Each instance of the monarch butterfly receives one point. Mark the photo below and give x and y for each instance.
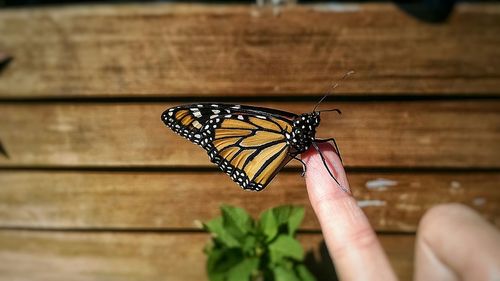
(251, 144)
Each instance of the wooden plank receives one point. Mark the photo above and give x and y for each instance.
(459, 134)
(198, 49)
(175, 200)
(30, 255)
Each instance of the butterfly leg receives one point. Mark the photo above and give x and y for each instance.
(304, 167)
(334, 144)
(328, 169)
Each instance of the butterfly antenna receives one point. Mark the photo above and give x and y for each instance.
(334, 86)
(328, 169)
(335, 109)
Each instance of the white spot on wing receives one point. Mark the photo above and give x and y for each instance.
(196, 124)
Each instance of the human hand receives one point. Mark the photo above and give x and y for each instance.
(453, 242)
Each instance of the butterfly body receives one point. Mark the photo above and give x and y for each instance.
(250, 144)
(303, 131)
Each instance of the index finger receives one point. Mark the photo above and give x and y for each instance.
(351, 241)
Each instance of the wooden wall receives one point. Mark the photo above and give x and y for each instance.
(94, 187)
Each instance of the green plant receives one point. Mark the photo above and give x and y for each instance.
(244, 249)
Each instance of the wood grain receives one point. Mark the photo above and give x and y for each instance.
(206, 50)
(383, 134)
(103, 191)
(43, 256)
(175, 200)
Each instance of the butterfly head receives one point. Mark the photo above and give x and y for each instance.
(304, 131)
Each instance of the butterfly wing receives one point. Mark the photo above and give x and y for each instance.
(248, 143)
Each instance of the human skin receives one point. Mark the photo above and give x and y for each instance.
(453, 241)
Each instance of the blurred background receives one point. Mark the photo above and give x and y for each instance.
(93, 186)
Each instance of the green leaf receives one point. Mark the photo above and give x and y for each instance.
(216, 276)
(282, 274)
(285, 247)
(304, 273)
(236, 221)
(220, 261)
(284, 219)
(295, 219)
(219, 232)
(243, 270)
(268, 224)
(241, 251)
(289, 215)
(249, 245)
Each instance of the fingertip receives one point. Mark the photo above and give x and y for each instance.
(317, 173)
